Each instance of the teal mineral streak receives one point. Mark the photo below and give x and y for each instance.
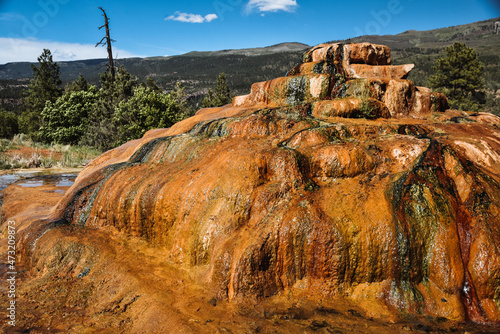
(140, 156)
(82, 219)
(143, 154)
(416, 227)
(215, 128)
(426, 198)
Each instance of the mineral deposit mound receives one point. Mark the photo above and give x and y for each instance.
(341, 183)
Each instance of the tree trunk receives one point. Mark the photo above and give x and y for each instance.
(107, 43)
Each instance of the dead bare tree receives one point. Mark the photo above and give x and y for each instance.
(106, 41)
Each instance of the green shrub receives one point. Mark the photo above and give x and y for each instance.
(65, 120)
(9, 125)
(147, 109)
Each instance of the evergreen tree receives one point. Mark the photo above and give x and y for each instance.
(180, 97)
(459, 75)
(119, 89)
(9, 126)
(210, 100)
(220, 96)
(102, 132)
(147, 109)
(79, 84)
(492, 104)
(150, 83)
(66, 119)
(42, 88)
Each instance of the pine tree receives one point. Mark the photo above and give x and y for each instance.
(220, 96)
(209, 100)
(150, 83)
(147, 109)
(45, 86)
(102, 132)
(180, 97)
(9, 126)
(77, 85)
(459, 75)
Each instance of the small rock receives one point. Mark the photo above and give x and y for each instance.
(83, 273)
(317, 324)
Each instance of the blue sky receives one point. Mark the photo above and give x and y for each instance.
(69, 28)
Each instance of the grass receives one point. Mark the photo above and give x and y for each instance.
(21, 152)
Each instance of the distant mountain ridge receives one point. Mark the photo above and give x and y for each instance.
(477, 35)
(71, 69)
(281, 47)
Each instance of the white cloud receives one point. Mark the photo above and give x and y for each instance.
(211, 17)
(272, 5)
(18, 49)
(191, 18)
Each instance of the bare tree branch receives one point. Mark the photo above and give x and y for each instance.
(101, 42)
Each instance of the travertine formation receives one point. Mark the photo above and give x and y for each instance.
(341, 179)
(347, 80)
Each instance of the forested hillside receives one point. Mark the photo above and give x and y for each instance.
(422, 48)
(199, 70)
(196, 70)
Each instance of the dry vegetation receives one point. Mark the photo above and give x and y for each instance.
(21, 152)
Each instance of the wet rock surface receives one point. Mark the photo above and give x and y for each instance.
(320, 202)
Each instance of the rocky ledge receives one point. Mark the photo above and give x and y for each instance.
(342, 180)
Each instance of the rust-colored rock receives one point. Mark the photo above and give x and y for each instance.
(330, 71)
(293, 90)
(392, 72)
(350, 107)
(362, 53)
(367, 53)
(363, 190)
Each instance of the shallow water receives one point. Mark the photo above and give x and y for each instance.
(37, 179)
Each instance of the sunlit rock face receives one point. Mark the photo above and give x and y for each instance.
(357, 80)
(342, 178)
